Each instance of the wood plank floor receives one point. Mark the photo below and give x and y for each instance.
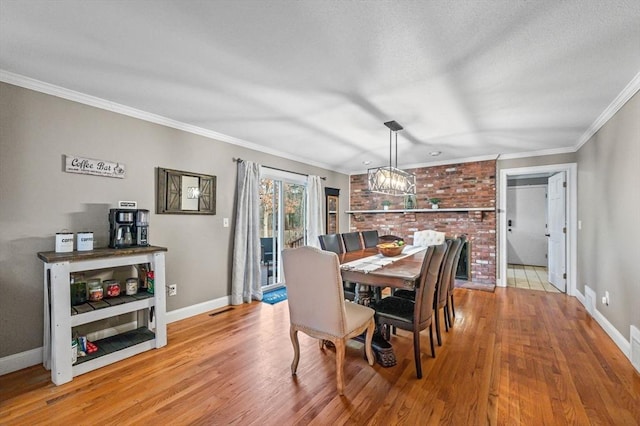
(515, 356)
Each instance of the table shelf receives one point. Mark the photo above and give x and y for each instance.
(110, 307)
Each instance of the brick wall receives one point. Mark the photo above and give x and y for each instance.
(463, 185)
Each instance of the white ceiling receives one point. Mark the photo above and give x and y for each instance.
(315, 80)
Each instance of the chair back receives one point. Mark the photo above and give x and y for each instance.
(352, 241)
(331, 242)
(425, 290)
(266, 244)
(444, 280)
(314, 290)
(428, 238)
(456, 260)
(370, 238)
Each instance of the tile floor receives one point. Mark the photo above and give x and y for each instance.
(530, 277)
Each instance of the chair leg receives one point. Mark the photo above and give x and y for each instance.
(293, 334)
(416, 352)
(340, 351)
(453, 308)
(445, 312)
(367, 342)
(433, 349)
(449, 314)
(437, 315)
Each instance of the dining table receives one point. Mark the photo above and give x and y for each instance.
(367, 267)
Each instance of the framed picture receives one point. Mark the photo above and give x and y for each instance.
(410, 202)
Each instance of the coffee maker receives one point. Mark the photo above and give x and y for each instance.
(142, 228)
(121, 228)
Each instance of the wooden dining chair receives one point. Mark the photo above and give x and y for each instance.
(452, 284)
(442, 287)
(317, 308)
(415, 316)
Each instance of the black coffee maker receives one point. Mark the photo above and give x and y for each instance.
(121, 228)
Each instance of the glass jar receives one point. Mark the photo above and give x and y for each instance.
(94, 288)
(131, 286)
(78, 292)
(111, 288)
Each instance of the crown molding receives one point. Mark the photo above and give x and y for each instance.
(72, 95)
(626, 94)
(554, 151)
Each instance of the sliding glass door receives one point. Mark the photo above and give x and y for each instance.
(282, 220)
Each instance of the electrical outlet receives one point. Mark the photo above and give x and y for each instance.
(173, 289)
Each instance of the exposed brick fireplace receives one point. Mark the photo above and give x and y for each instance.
(460, 187)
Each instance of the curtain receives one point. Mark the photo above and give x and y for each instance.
(314, 210)
(245, 275)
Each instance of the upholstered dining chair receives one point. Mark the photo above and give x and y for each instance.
(442, 287)
(370, 238)
(415, 316)
(331, 242)
(351, 241)
(317, 307)
(428, 237)
(452, 284)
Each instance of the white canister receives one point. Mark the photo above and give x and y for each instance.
(64, 242)
(85, 241)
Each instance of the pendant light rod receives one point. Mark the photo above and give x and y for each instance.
(394, 127)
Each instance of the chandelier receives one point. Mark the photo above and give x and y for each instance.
(390, 179)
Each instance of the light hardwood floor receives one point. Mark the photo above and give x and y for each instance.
(529, 277)
(517, 357)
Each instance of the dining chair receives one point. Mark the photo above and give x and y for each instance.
(331, 242)
(351, 241)
(442, 287)
(317, 308)
(370, 238)
(428, 237)
(410, 315)
(452, 284)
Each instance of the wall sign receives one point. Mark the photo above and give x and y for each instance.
(88, 166)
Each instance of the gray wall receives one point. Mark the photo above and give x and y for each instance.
(38, 199)
(609, 208)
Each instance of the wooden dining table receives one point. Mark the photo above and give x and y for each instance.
(401, 274)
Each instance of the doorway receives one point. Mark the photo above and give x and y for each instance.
(282, 221)
(569, 241)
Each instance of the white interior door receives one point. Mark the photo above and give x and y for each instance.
(526, 225)
(557, 231)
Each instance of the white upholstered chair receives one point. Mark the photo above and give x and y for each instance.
(317, 306)
(428, 238)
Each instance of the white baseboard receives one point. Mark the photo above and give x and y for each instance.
(614, 334)
(200, 308)
(21, 360)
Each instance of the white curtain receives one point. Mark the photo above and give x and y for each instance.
(245, 278)
(314, 210)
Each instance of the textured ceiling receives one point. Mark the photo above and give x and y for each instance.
(315, 80)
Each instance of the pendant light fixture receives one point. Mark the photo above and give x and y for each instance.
(390, 179)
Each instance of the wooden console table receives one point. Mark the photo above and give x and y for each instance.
(60, 317)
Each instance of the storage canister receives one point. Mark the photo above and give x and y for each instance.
(64, 242)
(85, 241)
(131, 287)
(94, 289)
(111, 288)
(78, 292)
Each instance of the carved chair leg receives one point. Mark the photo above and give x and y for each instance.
(293, 334)
(367, 342)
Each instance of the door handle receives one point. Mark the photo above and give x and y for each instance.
(547, 235)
